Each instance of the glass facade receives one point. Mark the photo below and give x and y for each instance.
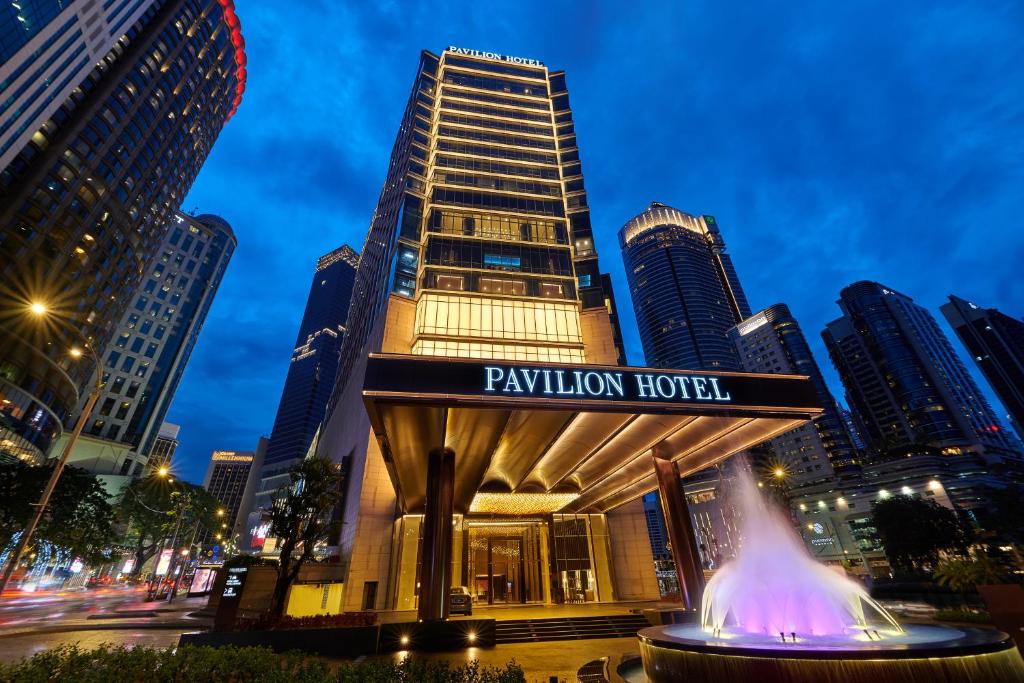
(903, 380)
(771, 341)
(481, 247)
(685, 291)
(312, 370)
(148, 353)
(996, 344)
(84, 205)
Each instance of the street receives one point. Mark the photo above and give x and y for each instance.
(33, 622)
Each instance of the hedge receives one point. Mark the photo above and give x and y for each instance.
(188, 664)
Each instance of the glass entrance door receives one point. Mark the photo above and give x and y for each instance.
(504, 563)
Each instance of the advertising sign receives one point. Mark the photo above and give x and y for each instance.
(164, 563)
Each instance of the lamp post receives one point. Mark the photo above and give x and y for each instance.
(40, 310)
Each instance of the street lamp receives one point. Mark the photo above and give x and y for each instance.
(40, 309)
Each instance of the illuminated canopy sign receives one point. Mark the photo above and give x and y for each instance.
(495, 56)
(418, 378)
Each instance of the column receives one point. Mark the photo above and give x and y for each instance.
(680, 531)
(435, 576)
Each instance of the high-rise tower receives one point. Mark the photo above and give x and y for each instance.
(48, 47)
(996, 343)
(312, 371)
(905, 383)
(488, 436)
(772, 341)
(84, 205)
(685, 291)
(481, 247)
(148, 353)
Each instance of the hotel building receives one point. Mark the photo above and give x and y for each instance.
(489, 436)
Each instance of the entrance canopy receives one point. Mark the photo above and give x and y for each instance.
(533, 438)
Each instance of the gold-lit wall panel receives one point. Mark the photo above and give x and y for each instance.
(480, 317)
(488, 351)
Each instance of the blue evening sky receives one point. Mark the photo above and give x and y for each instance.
(832, 141)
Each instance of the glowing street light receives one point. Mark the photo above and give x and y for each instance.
(41, 310)
(779, 473)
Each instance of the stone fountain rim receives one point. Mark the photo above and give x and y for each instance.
(975, 641)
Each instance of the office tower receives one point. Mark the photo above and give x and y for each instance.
(164, 446)
(685, 291)
(232, 478)
(154, 339)
(772, 341)
(851, 428)
(996, 343)
(904, 382)
(313, 369)
(48, 47)
(613, 315)
(84, 204)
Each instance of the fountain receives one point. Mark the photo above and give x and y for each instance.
(775, 614)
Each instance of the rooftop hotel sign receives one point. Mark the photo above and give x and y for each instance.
(495, 56)
(450, 381)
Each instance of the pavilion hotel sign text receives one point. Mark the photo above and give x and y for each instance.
(511, 380)
(495, 56)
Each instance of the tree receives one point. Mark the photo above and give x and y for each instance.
(915, 531)
(964, 573)
(142, 510)
(149, 508)
(1007, 514)
(78, 518)
(303, 515)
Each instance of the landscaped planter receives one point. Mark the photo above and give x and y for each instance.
(329, 642)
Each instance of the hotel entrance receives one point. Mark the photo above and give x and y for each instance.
(510, 476)
(505, 562)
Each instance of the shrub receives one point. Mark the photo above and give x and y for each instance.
(271, 622)
(965, 615)
(410, 670)
(190, 664)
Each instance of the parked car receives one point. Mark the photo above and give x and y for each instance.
(460, 601)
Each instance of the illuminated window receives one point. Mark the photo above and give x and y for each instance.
(551, 290)
(500, 286)
(466, 316)
(485, 350)
(452, 282)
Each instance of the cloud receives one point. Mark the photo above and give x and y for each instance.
(832, 142)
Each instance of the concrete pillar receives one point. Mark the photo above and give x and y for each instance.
(680, 532)
(436, 563)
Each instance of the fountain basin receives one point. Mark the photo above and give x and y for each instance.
(921, 653)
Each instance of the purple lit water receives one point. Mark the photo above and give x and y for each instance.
(774, 586)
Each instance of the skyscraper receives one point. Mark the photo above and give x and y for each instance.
(772, 341)
(481, 249)
(48, 47)
(313, 369)
(231, 477)
(155, 337)
(84, 204)
(904, 382)
(685, 291)
(996, 343)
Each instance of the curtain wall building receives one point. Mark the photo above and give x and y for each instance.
(488, 435)
(996, 344)
(685, 291)
(772, 341)
(911, 395)
(84, 204)
(48, 47)
(312, 371)
(153, 341)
